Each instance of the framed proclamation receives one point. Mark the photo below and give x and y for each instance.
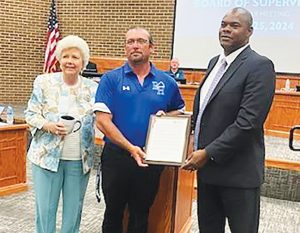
(167, 139)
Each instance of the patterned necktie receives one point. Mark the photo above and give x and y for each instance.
(212, 87)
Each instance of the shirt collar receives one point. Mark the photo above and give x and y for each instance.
(231, 57)
(153, 70)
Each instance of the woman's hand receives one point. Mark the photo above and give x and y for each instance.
(56, 128)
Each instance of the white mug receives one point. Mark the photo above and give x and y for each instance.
(71, 124)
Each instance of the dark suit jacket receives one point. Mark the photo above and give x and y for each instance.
(231, 129)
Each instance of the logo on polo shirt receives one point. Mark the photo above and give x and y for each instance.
(126, 88)
(159, 87)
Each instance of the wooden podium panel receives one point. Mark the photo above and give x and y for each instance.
(185, 192)
(13, 145)
(171, 211)
(172, 208)
(284, 114)
(188, 93)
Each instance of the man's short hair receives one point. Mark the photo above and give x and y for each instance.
(150, 38)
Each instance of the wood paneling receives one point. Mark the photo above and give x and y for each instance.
(105, 64)
(194, 76)
(188, 93)
(284, 114)
(171, 211)
(183, 214)
(161, 213)
(281, 79)
(283, 164)
(13, 142)
(172, 208)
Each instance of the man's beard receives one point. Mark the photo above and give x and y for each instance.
(137, 59)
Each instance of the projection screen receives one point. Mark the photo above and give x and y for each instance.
(276, 31)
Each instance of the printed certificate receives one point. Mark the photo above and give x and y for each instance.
(167, 139)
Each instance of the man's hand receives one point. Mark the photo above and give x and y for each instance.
(196, 160)
(138, 154)
(160, 113)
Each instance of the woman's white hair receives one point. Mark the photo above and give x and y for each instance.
(72, 41)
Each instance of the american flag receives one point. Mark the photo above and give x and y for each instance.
(52, 39)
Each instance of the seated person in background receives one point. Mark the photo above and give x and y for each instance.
(175, 72)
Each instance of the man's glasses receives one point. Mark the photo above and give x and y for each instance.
(139, 41)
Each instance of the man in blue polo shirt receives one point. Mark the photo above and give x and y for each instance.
(125, 99)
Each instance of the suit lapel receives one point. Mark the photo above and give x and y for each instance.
(230, 71)
(209, 69)
(197, 96)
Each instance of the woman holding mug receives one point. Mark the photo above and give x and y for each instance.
(61, 160)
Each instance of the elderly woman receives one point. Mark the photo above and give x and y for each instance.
(61, 161)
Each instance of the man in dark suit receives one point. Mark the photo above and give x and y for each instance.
(229, 113)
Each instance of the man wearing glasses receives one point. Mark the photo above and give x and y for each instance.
(125, 99)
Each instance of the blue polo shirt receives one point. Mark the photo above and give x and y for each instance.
(131, 104)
